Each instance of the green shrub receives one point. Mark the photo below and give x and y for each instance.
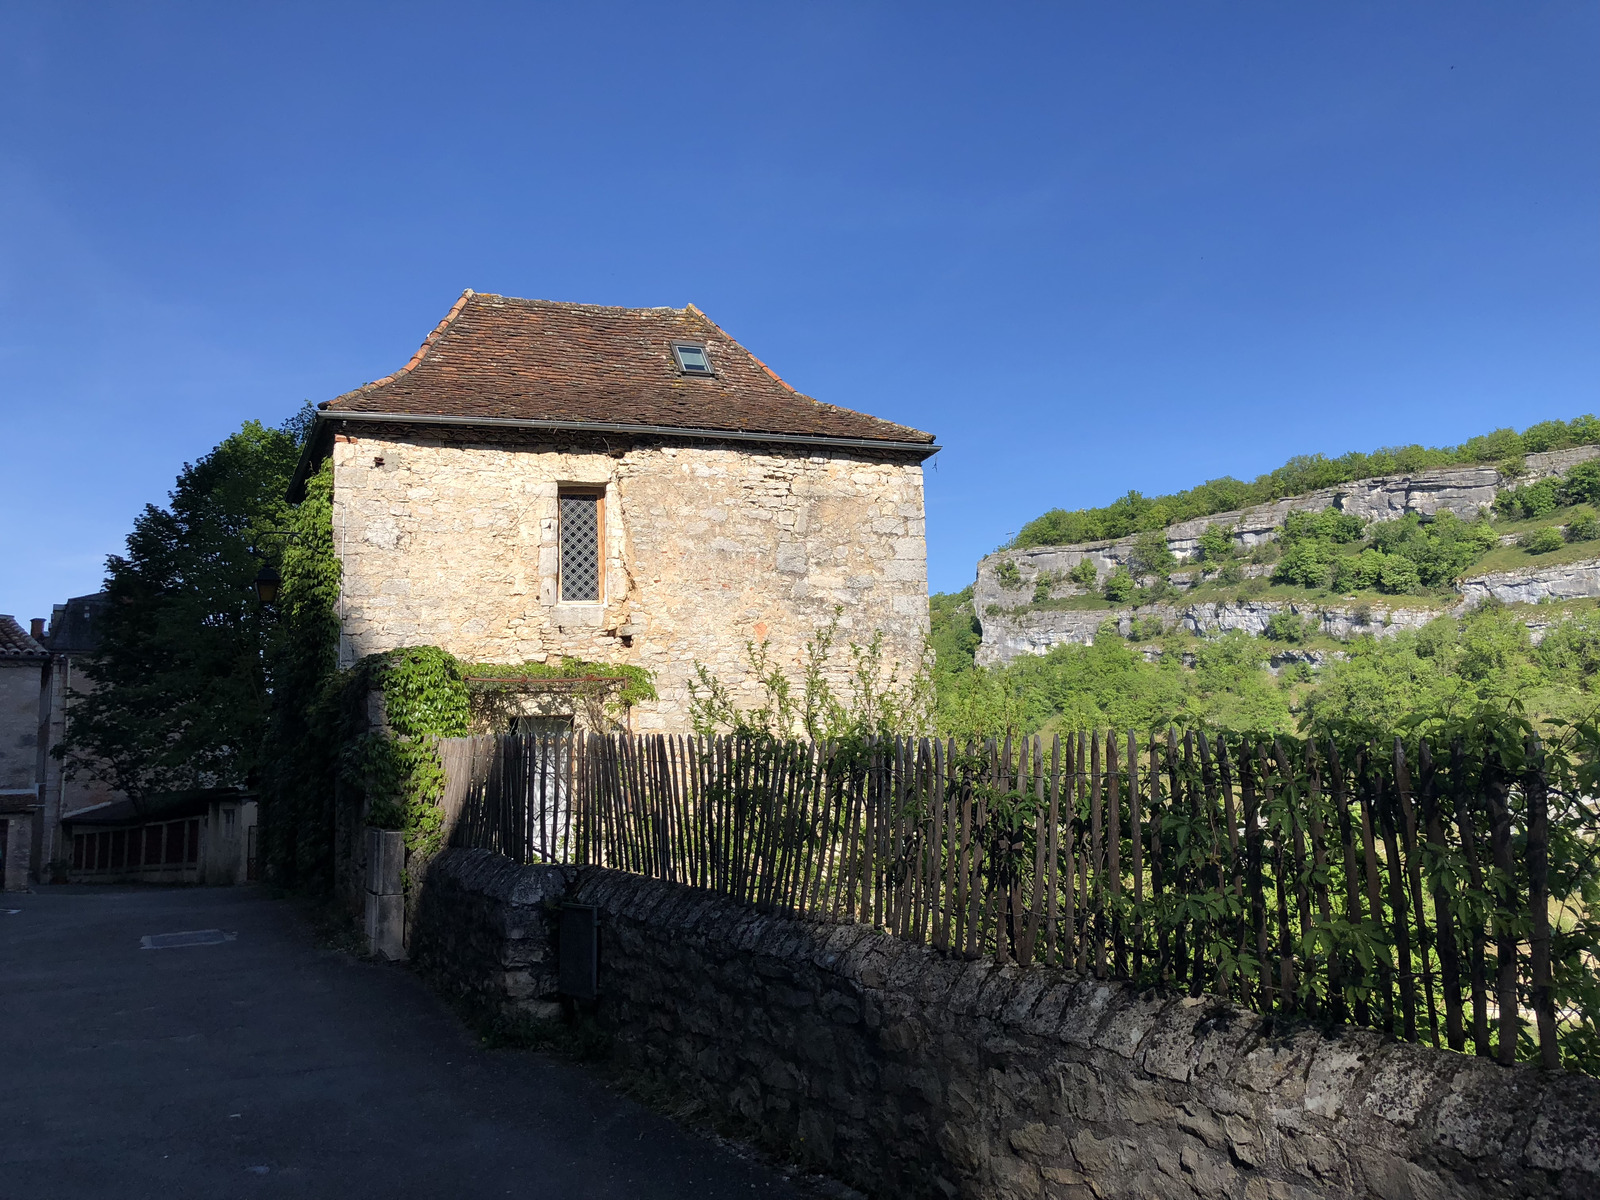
(1359, 573)
(1543, 541)
(1305, 564)
(1151, 555)
(1084, 574)
(1042, 585)
(1119, 586)
(1329, 525)
(1398, 575)
(1007, 573)
(1581, 485)
(1216, 544)
(1583, 526)
(1144, 629)
(1286, 627)
(1231, 574)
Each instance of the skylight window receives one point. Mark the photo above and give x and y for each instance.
(692, 359)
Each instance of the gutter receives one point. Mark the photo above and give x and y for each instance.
(924, 450)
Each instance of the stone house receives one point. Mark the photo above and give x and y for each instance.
(55, 826)
(618, 485)
(23, 660)
(73, 635)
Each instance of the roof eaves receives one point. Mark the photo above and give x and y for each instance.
(924, 449)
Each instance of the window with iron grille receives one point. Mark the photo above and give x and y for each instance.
(580, 546)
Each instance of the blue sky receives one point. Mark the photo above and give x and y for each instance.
(1092, 247)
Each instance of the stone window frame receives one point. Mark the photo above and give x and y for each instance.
(598, 491)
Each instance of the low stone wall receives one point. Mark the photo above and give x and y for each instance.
(484, 931)
(905, 1072)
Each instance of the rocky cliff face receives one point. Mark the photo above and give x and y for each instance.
(1006, 635)
(1459, 490)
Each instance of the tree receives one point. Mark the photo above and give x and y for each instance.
(1119, 587)
(177, 693)
(1151, 555)
(1084, 574)
(1216, 544)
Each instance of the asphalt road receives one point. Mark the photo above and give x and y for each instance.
(264, 1066)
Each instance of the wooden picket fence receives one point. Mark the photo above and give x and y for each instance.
(1361, 883)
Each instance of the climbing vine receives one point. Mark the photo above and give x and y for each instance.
(364, 740)
(303, 731)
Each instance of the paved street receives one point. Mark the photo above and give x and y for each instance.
(265, 1066)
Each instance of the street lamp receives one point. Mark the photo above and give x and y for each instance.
(267, 583)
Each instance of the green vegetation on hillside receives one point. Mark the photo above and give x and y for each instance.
(1449, 665)
(178, 693)
(1333, 550)
(1135, 513)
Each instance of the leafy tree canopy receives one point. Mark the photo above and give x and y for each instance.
(1134, 513)
(176, 697)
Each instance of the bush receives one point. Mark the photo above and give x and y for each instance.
(1007, 573)
(1286, 627)
(1305, 564)
(1119, 586)
(1543, 541)
(1231, 574)
(1151, 555)
(1144, 629)
(1084, 574)
(1582, 526)
(1216, 544)
(1160, 589)
(1329, 525)
(1398, 575)
(1581, 485)
(1360, 572)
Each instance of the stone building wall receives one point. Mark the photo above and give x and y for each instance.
(453, 542)
(19, 726)
(908, 1073)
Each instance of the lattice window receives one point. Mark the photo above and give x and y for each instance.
(580, 546)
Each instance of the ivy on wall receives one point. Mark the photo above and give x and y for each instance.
(364, 740)
(303, 733)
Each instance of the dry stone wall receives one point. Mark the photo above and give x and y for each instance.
(907, 1073)
(453, 542)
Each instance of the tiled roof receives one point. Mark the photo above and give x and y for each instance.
(15, 642)
(498, 358)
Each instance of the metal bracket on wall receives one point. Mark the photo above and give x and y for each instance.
(579, 951)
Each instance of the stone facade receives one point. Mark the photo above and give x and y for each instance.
(452, 540)
(20, 683)
(905, 1072)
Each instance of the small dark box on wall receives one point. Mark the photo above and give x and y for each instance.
(580, 951)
